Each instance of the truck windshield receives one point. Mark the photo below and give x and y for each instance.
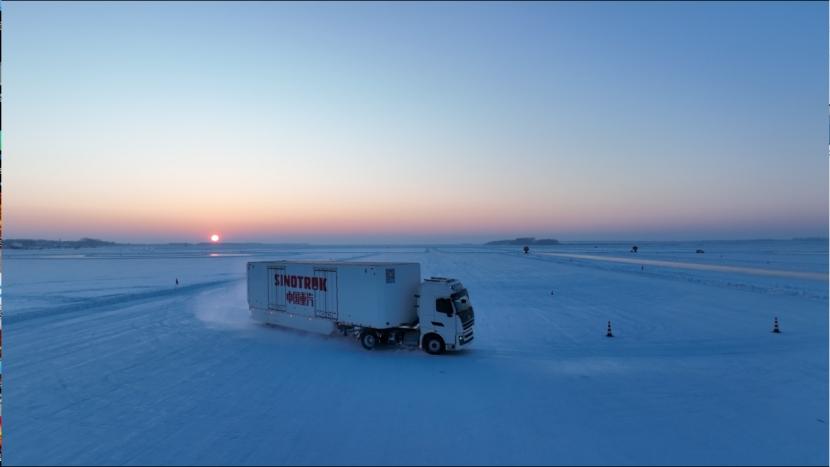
(463, 307)
(461, 301)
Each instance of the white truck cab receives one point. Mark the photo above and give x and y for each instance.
(445, 315)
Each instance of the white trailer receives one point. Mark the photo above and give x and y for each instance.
(377, 302)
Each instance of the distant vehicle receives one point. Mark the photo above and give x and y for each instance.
(634, 249)
(380, 303)
(699, 251)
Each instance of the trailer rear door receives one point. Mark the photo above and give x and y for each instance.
(276, 290)
(325, 301)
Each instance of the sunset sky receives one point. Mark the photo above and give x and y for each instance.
(414, 122)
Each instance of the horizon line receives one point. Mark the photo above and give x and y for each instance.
(297, 243)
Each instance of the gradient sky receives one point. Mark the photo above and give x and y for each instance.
(408, 122)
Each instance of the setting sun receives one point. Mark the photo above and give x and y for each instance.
(214, 238)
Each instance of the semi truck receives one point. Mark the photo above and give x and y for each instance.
(377, 302)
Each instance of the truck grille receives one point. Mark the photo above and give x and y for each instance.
(467, 322)
(467, 318)
(467, 337)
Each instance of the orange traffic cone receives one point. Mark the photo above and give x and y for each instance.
(775, 326)
(609, 334)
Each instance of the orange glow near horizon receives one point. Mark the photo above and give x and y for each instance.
(424, 217)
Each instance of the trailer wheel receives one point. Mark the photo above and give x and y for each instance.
(434, 345)
(368, 339)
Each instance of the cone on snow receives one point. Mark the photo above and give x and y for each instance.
(775, 326)
(609, 334)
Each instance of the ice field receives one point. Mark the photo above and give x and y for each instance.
(108, 362)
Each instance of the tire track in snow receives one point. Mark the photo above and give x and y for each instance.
(792, 291)
(101, 303)
(573, 324)
(819, 276)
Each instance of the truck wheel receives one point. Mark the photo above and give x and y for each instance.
(368, 339)
(434, 345)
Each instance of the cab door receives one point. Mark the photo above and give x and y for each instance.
(443, 319)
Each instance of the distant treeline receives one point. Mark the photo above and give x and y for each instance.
(525, 241)
(33, 244)
(39, 244)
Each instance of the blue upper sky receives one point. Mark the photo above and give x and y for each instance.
(415, 121)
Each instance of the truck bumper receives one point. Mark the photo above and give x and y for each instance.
(460, 343)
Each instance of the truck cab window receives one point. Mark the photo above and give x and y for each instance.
(444, 305)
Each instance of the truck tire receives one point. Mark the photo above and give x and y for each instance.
(433, 344)
(368, 339)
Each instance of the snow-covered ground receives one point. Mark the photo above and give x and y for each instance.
(108, 362)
